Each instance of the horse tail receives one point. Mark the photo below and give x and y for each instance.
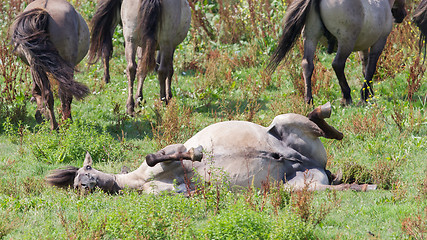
(62, 178)
(103, 24)
(30, 35)
(295, 19)
(150, 12)
(420, 19)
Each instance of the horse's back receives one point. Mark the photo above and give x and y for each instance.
(67, 29)
(363, 20)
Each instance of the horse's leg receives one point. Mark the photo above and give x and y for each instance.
(66, 100)
(311, 35)
(374, 54)
(308, 67)
(338, 65)
(130, 50)
(165, 73)
(50, 109)
(141, 78)
(175, 152)
(363, 55)
(40, 108)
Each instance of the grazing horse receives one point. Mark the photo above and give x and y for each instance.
(148, 25)
(288, 151)
(52, 38)
(420, 19)
(355, 25)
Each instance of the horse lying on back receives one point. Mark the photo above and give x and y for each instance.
(287, 151)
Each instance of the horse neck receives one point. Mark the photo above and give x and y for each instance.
(133, 180)
(108, 182)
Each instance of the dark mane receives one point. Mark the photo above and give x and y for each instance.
(62, 178)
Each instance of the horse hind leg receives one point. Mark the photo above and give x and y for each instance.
(165, 72)
(66, 100)
(44, 97)
(141, 75)
(308, 68)
(338, 65)
(130, 50)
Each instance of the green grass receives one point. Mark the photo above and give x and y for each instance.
(216, 81)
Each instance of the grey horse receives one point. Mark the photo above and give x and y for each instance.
(356, 25)
(52, 38)
(147, 26)
(288, 151)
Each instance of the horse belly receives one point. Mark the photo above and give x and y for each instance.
(377, 23)
(361, 22)
(239, 149)
(175, 22)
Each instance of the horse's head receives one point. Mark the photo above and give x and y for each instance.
(88, 178)
(85, 178)
(398, 10)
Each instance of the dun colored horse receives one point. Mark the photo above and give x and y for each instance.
(356, 25)
(52, 38)
(288, 151)
(148, 25)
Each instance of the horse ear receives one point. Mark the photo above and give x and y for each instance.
(88, 160)
(272, 130)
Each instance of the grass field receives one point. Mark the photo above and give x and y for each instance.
(219, 76)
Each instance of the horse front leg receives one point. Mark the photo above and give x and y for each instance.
(363, 56)
(338, 65)
(367, 92)
(130, 50)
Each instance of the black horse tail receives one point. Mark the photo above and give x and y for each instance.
(295, 19)
(30, 36)
(62, 178)
(420, 19)
(150, 12)
(103, 23)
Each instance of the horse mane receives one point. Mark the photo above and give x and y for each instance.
(150, 12)
(30, 32)
(295, 18)
(62, 178)
(420, 19)
(102, 29)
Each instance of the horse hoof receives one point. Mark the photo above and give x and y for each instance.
(346, 102)
(196, 154)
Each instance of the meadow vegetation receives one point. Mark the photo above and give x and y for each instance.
(219, 76)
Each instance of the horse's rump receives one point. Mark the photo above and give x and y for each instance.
(102, 23)
(150, 12)
(30, 35)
